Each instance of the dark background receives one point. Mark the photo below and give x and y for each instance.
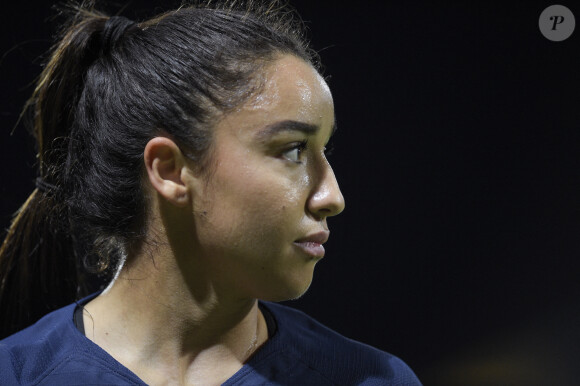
(458, 156)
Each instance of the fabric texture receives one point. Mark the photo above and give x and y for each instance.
(301, 351)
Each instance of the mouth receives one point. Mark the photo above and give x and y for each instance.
(312, 244)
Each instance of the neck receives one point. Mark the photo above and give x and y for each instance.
(164, 328)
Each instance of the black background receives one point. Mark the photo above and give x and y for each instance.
(458, 156)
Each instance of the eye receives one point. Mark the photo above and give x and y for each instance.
(295, 152)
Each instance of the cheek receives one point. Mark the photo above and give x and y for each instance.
(253, 204)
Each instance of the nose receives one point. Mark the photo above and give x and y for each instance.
(326, 200)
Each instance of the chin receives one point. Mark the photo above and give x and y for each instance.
(290, 290)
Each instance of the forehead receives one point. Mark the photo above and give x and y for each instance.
(291, 82)
(291, 90)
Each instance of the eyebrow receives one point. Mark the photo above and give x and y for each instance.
(289, 125)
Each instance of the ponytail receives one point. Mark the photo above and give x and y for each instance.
(37, 273)
(38, 268)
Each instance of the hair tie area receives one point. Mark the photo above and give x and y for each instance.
(114, 29)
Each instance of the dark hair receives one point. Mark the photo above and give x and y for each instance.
(110, 85)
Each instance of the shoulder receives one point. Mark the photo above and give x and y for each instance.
(28, 353)
(336, 358)
(53, 351)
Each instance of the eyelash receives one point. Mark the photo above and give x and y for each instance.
(328, 149)
(301, 146)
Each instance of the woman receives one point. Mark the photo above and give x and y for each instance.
(183, 160)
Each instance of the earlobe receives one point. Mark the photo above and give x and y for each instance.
(165, 163)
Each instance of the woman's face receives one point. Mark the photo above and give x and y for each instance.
(262, 215)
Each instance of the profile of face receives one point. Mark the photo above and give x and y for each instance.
(261, 215)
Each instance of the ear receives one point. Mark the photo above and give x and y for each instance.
(166, 168)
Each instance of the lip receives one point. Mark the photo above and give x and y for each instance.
(312, 244)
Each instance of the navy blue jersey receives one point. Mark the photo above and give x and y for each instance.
(300, 351)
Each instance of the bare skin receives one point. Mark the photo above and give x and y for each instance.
(189, 315)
